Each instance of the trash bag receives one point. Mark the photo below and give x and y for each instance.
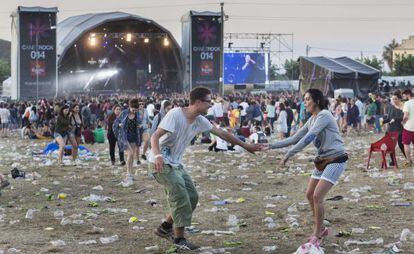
(309, 248)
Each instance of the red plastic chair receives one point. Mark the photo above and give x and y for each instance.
(385, 146)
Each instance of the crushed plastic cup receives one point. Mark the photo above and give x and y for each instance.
(406, 235)
(232, 221)
(109, 239)
(378, 241)
(58, 243)
(408, 186)
(269, 248)
(292, 209)
(358, 230)
(272, 225)
(151, 249)
(98, 188)
(88, 242)
(30, 213)
(96, 198)
(268, 220)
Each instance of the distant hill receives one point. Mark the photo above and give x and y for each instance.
(5, 50)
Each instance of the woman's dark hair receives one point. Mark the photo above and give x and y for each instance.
(398, 95)
(134, 103)
(408, 92)
(318, 98)
(281, 106)
(74, 106)
(63, 108)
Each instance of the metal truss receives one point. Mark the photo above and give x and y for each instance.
(124, 35)
(279, 45)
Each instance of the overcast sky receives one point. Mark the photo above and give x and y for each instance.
(332, 28)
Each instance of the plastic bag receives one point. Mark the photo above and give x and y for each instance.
(309, 248)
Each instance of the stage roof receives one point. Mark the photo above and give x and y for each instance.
(344, 66)
(71, 29)
(359, 67)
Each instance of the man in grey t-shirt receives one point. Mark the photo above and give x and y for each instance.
(168, 142)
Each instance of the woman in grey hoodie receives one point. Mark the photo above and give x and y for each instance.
(322, 130)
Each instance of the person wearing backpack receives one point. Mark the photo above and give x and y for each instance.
(165, 107)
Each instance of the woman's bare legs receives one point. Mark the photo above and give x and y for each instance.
(61, 142)
(316, 192)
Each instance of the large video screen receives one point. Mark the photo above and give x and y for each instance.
(246, 68)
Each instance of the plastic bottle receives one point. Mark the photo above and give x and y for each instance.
(110, 239)
(152, 248)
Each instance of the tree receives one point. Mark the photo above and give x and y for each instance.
(374, 62)
(273, 71)
(4, 70)
(404, 65)
(387, 53)
(292, 69)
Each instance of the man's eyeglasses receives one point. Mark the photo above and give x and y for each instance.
(208, 101)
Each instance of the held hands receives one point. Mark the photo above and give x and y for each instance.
(252, 148)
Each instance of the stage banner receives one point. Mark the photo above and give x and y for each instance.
(37, 54)
(205, 51)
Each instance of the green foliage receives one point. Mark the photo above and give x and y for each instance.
(292, 69)
(404, 65)
(4, 70)
(273, 71)
(374, 62)
(387, 53)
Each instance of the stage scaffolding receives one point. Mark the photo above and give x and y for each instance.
(278, 45)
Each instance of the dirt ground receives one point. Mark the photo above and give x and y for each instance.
(255, 186)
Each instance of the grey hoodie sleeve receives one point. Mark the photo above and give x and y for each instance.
(321, 121)
(291, 140)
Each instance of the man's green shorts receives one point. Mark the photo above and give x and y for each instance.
(181, 193)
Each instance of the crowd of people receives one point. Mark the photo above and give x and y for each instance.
(250, 117)
(136, 125)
